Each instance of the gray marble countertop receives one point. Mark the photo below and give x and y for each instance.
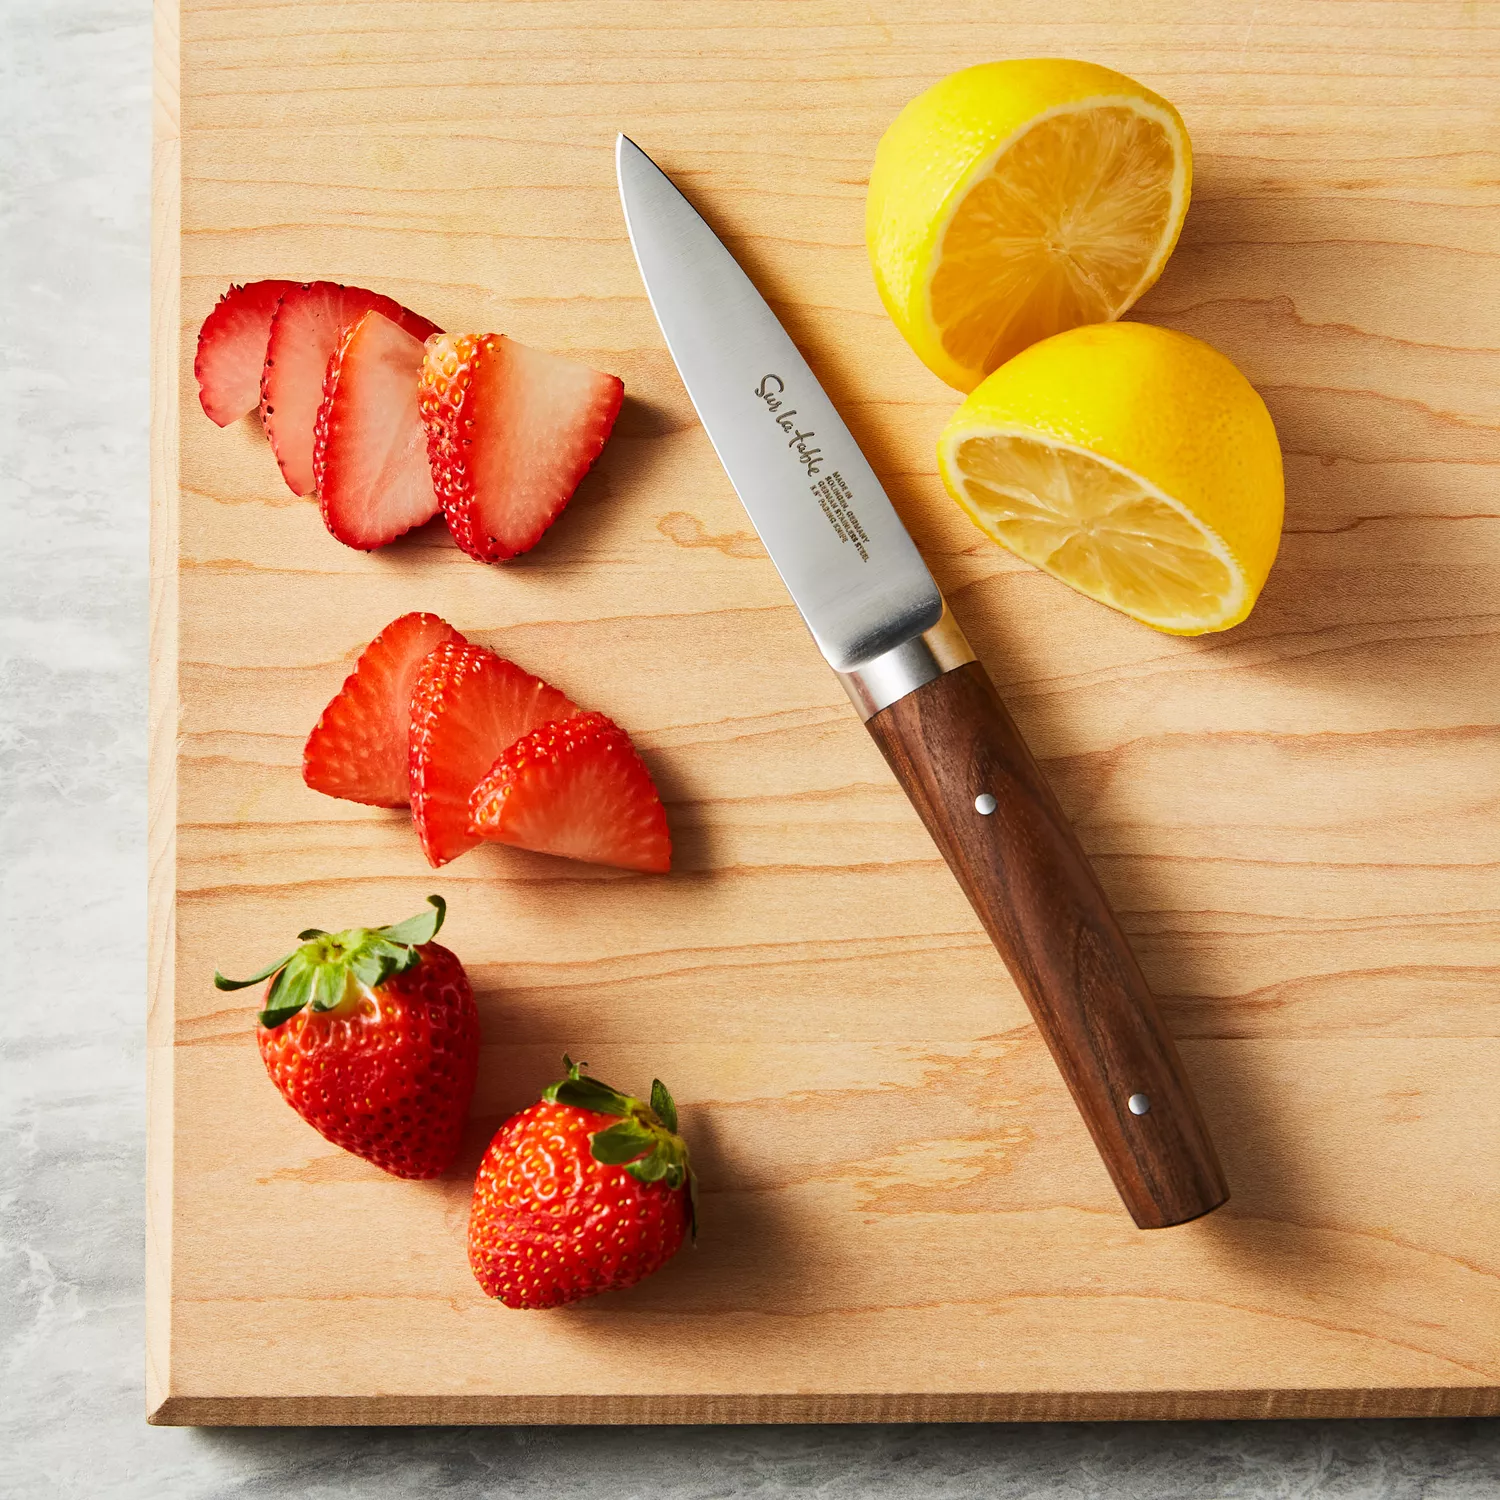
(75, 85)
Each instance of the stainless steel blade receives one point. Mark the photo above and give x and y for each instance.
(835, 538)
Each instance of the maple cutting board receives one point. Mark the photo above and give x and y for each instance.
(902, 1215)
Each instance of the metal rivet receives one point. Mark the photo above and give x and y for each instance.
(985, 804)
(1140, 1104)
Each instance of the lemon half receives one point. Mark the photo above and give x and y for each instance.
(1017, 199)
(1136, 464)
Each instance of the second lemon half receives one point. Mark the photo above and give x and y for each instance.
(1132, 462)
(1017, 199)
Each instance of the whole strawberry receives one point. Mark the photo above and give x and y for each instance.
(587, 1191)
(372, 1036)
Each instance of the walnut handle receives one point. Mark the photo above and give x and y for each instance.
(950, 742)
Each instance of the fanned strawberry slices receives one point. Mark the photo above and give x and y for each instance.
(483, 750)
(386, 420)
(384, 431)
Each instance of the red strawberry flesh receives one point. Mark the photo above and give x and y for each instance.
(576, 789)
(232, 349)
(468, 705)
(511, 432)
(360, 747)
(306, 330)
(369, 449)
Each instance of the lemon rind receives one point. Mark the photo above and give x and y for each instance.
(1237, 606)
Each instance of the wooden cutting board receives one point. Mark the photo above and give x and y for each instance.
(902, 1215)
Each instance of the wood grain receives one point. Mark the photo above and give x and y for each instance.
(952, 742)
(1296, 821)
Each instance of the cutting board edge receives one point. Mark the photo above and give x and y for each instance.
(699, 1409)
(161, 774)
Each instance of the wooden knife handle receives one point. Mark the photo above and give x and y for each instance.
(951, 742)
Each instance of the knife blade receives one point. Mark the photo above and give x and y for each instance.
(881, 623)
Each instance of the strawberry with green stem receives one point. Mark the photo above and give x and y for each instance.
(587, 1191)
(372, 1036)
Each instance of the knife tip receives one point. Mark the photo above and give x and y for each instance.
(629, 161)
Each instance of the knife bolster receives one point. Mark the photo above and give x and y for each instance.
(889, 677)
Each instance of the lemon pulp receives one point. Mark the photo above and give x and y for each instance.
(1100, 528)
(1063, 228)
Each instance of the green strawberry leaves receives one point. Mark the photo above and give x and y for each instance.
(662, 1103)
(323, 970)
(645, 1142)
(587, 1093)
(421, 928)
(623, 1143)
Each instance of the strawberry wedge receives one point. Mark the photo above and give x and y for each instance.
(510, 433)
(232, 349)
(577, 789)
(360, 748)
(468, 705)
(369, 451)
(305, 333)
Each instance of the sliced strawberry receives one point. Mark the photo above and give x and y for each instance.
(359, 749)
(232, 349)
(467, 706)
(305, 332)
(369, 451)
(510, 432)
(577, 789)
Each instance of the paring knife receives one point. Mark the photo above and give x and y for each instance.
(879, 620)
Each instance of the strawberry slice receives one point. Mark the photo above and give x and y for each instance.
(232, 349)
(467, 706)
(305, 332)
(369, 450)
(510, 433)
(359, 748)
(578, 789)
